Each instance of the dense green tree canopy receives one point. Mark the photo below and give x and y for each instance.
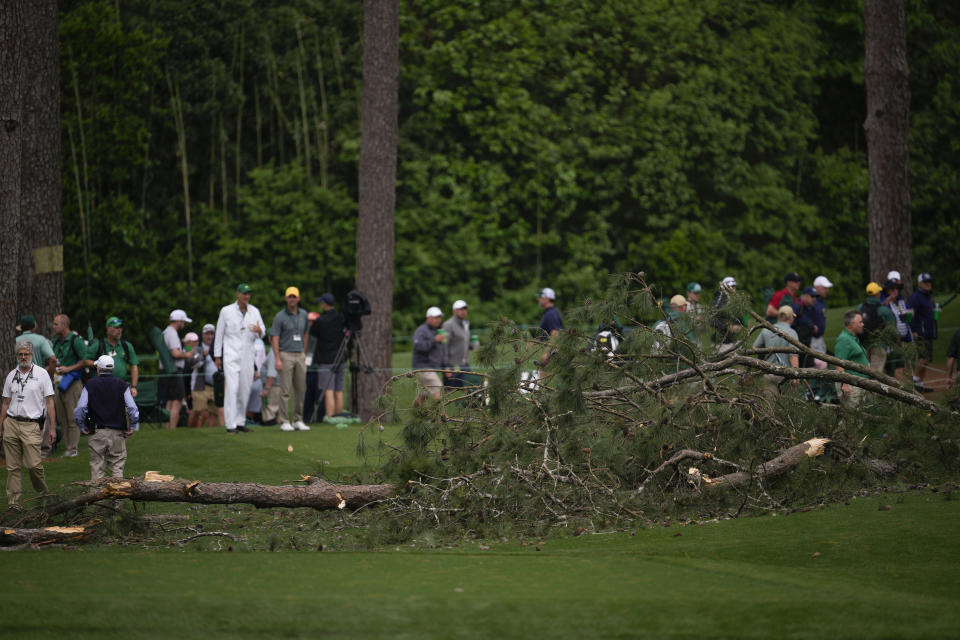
(541, 144)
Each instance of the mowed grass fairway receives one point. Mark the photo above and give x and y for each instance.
(880, 573)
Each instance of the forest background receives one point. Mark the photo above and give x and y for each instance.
(210, 142)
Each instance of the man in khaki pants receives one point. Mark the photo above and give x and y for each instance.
(106, 408)
(288, 337)
(27, 404)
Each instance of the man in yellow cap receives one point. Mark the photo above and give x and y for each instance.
(288, 337)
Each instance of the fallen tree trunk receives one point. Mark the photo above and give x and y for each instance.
(315, 494)
(47, 535)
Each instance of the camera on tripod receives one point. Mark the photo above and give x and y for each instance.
(357, 305)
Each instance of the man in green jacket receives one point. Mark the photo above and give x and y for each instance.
(848, 347)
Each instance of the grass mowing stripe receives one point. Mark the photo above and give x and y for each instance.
(882, 574)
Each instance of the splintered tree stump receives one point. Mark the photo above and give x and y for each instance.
(315, 494)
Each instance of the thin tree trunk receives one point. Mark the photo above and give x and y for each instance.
(83, 191)
(304, 117)
(323, 126)
(224, 184)
(177, 107)
(888, 135)
(259, 124)
(377, 191)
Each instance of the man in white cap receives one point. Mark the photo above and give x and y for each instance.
(552, 322)
(726, 327)
(823, 285)
(430, 353)
(238, 329)
(27, 405)
(172, 381)
(109, 414)
(458, 343)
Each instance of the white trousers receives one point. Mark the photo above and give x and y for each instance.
(238, 377)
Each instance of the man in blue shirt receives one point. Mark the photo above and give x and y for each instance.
(551, 322)
(113, 417)
(924, 327)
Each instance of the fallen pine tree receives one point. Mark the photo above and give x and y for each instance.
(315, 493)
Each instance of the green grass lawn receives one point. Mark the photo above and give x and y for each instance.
(880, 573)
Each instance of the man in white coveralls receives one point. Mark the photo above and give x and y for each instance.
(238, 328)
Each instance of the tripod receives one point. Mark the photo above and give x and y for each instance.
(352, 349)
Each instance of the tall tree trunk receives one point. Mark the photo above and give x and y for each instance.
(377, 178)
(31, 256)
(40, 276)
(887, 131)
(11, 129)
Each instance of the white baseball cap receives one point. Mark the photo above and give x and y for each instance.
(209, 328)
(191, 337)
(822, 281)
(179, 314)
(894, 275)
(459, 304)
(547, 293)
(729, 282)
(433, 312)
(105, 362)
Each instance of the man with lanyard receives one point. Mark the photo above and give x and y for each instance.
(27, 404)
(71, 352)
(288, 337)
(125, 359)
(107, 409)
(238, 328)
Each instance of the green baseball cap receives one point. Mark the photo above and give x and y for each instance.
(26, 323)
(243, 287)
(114, 321)
(694, 287)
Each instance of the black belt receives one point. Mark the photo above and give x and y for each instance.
(22, 419)
(103, 426)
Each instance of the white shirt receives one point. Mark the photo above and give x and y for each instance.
(235, 340)
(28, 392)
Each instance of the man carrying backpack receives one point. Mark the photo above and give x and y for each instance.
(878, 324)
(126, 365)
(71, 352)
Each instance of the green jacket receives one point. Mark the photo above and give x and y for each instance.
(848, 347)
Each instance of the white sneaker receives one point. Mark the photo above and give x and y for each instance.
(300, 426)
(286, 426)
